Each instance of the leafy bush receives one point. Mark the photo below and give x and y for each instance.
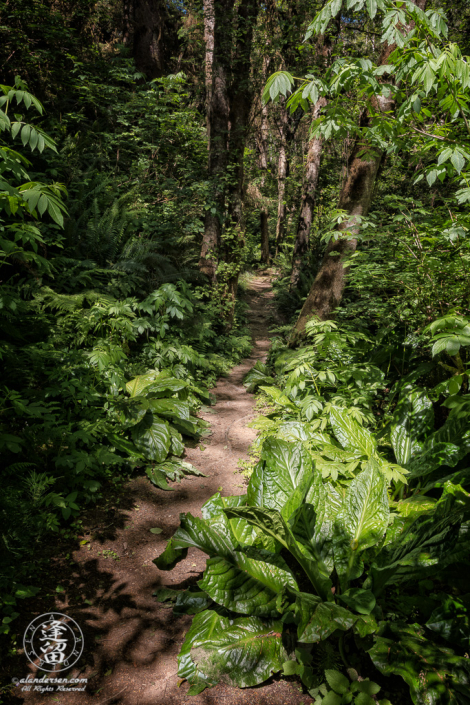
(339, 524)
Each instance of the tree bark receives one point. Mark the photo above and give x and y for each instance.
(155, 37)
(307, 207)
(282, 173)
(355, 198)
(241, 99)
(264, 236)
(126, 21)
(327, 289)
(209, 20)
(218, 129)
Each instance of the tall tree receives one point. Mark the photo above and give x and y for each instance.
(218, 120)
(155, 36)
(231, 101)
(355, 199)
(307, 206)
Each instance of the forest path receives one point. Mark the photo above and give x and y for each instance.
(131, 640)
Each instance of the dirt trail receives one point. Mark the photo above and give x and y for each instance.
(131, 641)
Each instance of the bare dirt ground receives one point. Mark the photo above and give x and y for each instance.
(132, 641)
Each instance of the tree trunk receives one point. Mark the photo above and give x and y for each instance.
(155, 37)
(282, 173)
(126, 21)
(327, 289)
(209, 20)
(264, 236)
(218, 130)
(241, 98)
(355, 198)
(307, 207)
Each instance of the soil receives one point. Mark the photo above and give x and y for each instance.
(106, 577)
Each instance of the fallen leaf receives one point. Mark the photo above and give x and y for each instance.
(156, 530)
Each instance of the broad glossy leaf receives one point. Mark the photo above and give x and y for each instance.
(350, 434)
(419, 550)
(190, 427)
(152, 438)
(133, 412)
(282, 468)
(358, 600)
(415, 504)
(242, 652)
(125, 446)
(412, 419)
(443, 455)
(366, 624)
(362, 521)
(217, 504)
(158, 477)
(451, 621)
(314, 522)
(176, 447)
(272, 523)
(318, 622)
(238, 590)
(138, 384)
(200, 534)
(170, 556)
(190, 601)
(170, 408)
(238, 529)
(164, 386)
(433, 673)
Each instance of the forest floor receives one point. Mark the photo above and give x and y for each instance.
(105, 578)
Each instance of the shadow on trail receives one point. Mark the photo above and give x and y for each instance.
(132, 641)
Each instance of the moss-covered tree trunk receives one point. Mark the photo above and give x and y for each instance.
(307, 206)
(355, 198)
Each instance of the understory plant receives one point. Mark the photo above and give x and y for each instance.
(346, 559)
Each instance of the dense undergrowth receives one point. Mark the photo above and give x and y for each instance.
(346, 562)
(351, 543)
(110, 337)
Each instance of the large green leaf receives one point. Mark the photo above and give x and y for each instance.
(362, 521)
(190, 427)
(282, 468)
(433, 673)
(197, 533)
(350, 433)
(152, 438)
(131, 411)
(170, 408)
(317, 620)
(421, 549)
(164, 386)
(412, 419)
(359, 600)
(136, 386)
(451, 621)
(242, 652)
(272, 523)
(445, 447)
(314, 521)
(170, 556)
(242, 532)
(251, 587)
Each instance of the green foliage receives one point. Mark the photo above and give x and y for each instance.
(97, 298)
(333, 535)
